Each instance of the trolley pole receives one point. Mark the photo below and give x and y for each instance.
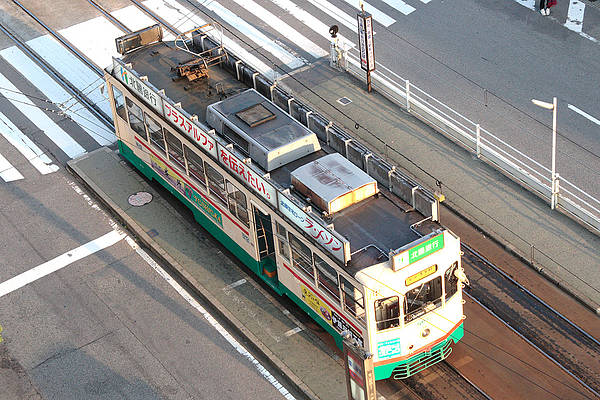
(360, 375)
(365, 43)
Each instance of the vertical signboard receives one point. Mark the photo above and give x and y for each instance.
(365, 41)
(360, 376)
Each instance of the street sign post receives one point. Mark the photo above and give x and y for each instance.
(360, 375)
(365, 43)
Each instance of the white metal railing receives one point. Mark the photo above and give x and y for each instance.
(533, 175)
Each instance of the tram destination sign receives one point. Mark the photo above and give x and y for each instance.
(408, 256)
(130, 79)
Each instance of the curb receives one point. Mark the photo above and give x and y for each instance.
(182, 274)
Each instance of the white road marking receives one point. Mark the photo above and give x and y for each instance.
(253, 34)
(135, 19)
(527, 3)
(184, 19)
(55, 93)
(60, 262)
(41, 120)
(584, 114)
(26, 147)
(379, 16)
(575, 16)
(400, 6)
(287, 31)
(334, 12)
(72, 68)
(236, 345)
(312, 22)
(293, 331)
(425, 1)
(234, 284)
(7, 172)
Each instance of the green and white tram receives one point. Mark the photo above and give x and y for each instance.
(305, 218)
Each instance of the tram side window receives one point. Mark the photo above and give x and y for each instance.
(156, 134)
(136, 118)
(423, 299)
(353, 299)
(119, 103)
(450, 280)
(216, 184)
(284, 250)
(195, 165)
(301, 256)
(175, 149)
(237, 203)
(327, 277)
(387, 313)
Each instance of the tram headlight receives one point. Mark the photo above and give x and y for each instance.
(425, 332)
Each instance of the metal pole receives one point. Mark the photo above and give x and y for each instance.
(554, 103)
(369, 81)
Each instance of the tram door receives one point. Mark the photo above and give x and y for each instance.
(265, 244)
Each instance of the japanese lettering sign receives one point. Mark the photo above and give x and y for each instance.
(417, 252)
(324, 237)
(365, 41)
(138, 86)
(190, 129)
(249, 176)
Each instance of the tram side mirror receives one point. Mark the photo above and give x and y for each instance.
(333, 30)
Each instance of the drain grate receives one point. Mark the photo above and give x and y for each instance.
(344, 101)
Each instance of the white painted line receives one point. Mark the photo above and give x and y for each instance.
(287, 31)
(293, 331)
(584, 114)
(73, 69)
(575, 16)
(337, 14)
(312, 22)
(135, 19)
(59, 96)
(7, 172)
(236, 345)
(234, 284)
(60, 262)
(253, 34)
(95, 38)
(184, 19)
(26, 147)
(379, 16)
(527, 3)
(425, 1)
(41, 120)
(400, 6)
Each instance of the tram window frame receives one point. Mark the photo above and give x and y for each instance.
(282, 240)
(136, 122)
(327, 277)
(119, 100)
(387, 311)
(428, 301)
(156, 135)
(301, 256)
(174, 150)
(451, 280)
(195, 165)
(216, 183)
(239, 142)
(354, 305)
(237, 203)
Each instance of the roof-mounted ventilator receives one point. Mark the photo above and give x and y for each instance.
(198, 67)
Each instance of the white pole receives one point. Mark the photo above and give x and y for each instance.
(554, 194)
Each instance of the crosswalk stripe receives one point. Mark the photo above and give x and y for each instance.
(71, 68)
(378, 15)
(54, 132)
(400, 6)
(26, 147)
(7, 172)
(527, 3)
(575, 16)
(184, 20)
(312, 22)
(136, 20)
(279, 25)
(335, 13)
(55, 93)
(253, 34)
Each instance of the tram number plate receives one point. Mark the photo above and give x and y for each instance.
(341, 325)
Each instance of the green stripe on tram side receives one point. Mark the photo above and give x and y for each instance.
(201, 218)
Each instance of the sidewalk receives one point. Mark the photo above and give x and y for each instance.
(561, 249)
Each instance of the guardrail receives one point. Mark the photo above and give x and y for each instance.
(570, 199)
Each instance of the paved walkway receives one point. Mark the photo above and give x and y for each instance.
(562, 250)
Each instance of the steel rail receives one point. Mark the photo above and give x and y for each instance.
(75, 92)
(110, 17)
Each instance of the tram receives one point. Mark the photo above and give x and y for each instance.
(310, 211)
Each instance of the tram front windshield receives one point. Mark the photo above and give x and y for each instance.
(422, 299)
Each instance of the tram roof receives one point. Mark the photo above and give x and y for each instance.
(373, 226)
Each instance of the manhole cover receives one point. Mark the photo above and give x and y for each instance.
(344, 101)
(139, 199)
